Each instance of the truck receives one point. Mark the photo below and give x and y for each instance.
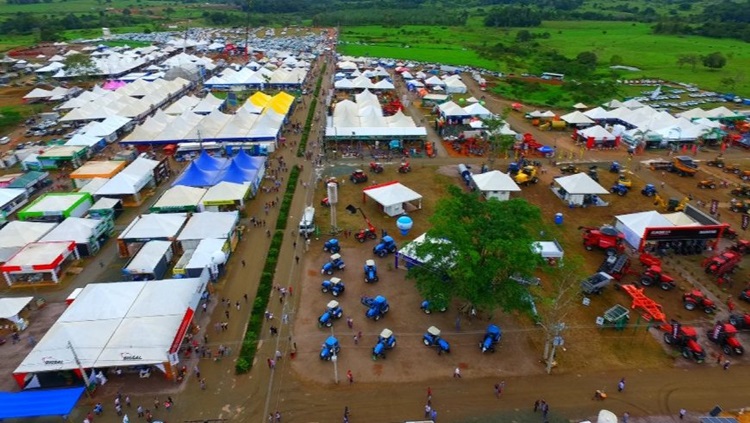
(307, 222)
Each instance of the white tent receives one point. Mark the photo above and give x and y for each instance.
(495, 184)
(148, 257)
(579, 185)
(219, 225)
(613, 104)
(580, 106)
(154, 226)
(476, 109)
(204, 254)
(131, 180)
(224, 192)
(434, 81)
(77, 229)
(577, 118)
(597, 114)
(208, 104)
(451, 109)
(180, 197)
(10, 308)
(597, 132)
(118, 324)
(18, 233)
(455, 86)
(634, 225)
(392, 197)
(12, 195)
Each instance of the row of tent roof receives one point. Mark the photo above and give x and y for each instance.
(207, 171)
(262, 76)
(260, 118)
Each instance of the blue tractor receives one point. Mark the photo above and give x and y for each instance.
(615, 167)
(491, 338)
(386, 246)
(377, 307)
(428, 307)
(371, 271)
(333, 312)
(649, 190)
(330, 348)
(334, 286)
(432, 338)
(386, 341)
(619, 189)
(335, 263)
(332, 246)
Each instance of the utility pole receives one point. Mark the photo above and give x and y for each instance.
(80, 368)
(557, 341)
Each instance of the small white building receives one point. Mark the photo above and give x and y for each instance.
(495, 184)
(579, 190)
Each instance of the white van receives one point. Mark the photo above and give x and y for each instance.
(307, 223)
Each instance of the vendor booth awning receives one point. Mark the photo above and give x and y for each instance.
(580, 183)
(39, 403)
(392, 196)
(634, 225)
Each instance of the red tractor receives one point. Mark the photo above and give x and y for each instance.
(685, 338)
(376, 167)
(725, 336)
(742, 246)
(654, 275)
(358, 176)
(745, 295)
(606, 238)
(618, 266)
(740, 321)
(367, 233)
(723, 263)
(696, 299)
(404, 168)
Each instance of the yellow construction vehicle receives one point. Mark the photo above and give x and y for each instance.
(624, 180)
(527, 175)
(673, 205)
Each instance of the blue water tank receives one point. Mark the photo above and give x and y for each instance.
(558, 218)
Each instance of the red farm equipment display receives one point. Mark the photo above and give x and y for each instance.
(722, 263)
(684, 338)
(606, 238)
(696, 299)
(725, 336)
(620, 265)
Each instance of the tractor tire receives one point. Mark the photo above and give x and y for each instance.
(689, 306)
(650, 194)
(739, 350)
(588, 247)
(335, 293)
(666, 286)
(709, 310)
(329, 324)
(647, 281)
(668, 339)
(426, 311)
(610, 252)
(329, 272)
(727, 350)
(361, 240)
(371, 235)
(324, 290)
(375, 279)
(376, 318)
(534, 180)
(381, 253)
(426, 342)
(622, 193)
(386, 309)
(712, 186)
(686, 353)
(734, 320)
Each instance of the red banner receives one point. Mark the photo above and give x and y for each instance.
(714, 206)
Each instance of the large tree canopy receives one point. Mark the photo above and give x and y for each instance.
(473, 249)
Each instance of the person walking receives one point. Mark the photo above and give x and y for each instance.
(350, 376)
(156, 403)
(621, 385)
(625, 417)
(427, 411)
(536, 405)
(243, 262)
(139, 411)
(429, 394)
(350, 323)
(726, 364)
(457, 373)
(203, 384)
(682, 413)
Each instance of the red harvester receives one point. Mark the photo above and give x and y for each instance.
(606, 238)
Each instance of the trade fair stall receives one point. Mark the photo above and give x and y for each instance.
(14, 314)
(60, 156)
(11, 199)
(96, 169)
(495, 184)
(88, 234)
(151, 262)
(393, 198)
(551, 251)
(57, 206)
(179, 198)
(210, 253)
(148, 227)
(226, 196)
(131, 182)
(135, 326)
(106, 208)
(579, 190)
(30, 265)
(17, 233)
(210, 225)
(31, 181)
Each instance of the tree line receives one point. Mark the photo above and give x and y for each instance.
(48, 27)
(389, 17)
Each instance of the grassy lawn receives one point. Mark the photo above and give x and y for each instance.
(655, 55)
(68, 6)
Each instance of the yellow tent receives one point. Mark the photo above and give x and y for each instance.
(281, 103)
(259, 99)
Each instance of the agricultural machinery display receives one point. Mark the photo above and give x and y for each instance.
(722, 263)
(615, 167)
(358, 176)
(707, 184)
(404, 168)
(332, 246)
(376, 167)
(743, 191)
(569, 169)
(683, 166)
(386, 341)
(593, 173)
(654, 275)
(428, 307)
(649, 190)
(432, 338)
(606, 238)
(526, 175)
(386, 246)
(367, 233)
(619, 189)
(732, 168)
(371, 271)
(333, 264)
(596, 283)
(491, 337)
(330, 348)
(740, 321)
(717, 162)
(334, 285)
(696, 299)
(684, 338)
(377, 307)
(725, 336)
(333, 312)
(745, 295)
(741, 206)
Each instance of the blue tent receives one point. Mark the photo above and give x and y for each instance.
(234, 173)
(37, 403)
(206, 162)
(194, 176)
(246, 161)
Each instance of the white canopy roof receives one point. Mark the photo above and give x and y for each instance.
(597, 132)
(93, 185)
(226, 191)
(450, 108)
(9, 194)
(131, 180)
(580, 183)
(180, 196)
(634, 225)
(18, 233)
(476, 109)
(494, 181)
(210, 225)
(117, 324)
(576, 118)
(10, 307)
(392, 194)
(204, 253)
(84, 139)
(146, 259)
(76, 229)
(154, 226)
(597, 113)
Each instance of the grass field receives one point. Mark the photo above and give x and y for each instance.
(655, 55)
(76, 6)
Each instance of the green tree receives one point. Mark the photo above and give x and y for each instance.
(80, 65)
(587, 59)
(616, 60)
(498, 142)
(481, 244)
(523, 36)
(688, 59)
(715, 60)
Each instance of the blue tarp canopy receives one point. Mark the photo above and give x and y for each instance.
(246, 161)
(207, 162)
(37, 403)
(207, 171)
